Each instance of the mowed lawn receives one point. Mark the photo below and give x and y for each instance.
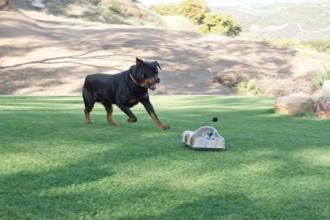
(54, 166)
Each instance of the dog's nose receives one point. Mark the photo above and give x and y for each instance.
(157, 80)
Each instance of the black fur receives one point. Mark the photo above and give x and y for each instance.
(124, 89)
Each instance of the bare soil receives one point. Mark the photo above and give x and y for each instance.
(42, 54)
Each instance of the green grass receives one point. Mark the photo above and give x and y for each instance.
(53, 166)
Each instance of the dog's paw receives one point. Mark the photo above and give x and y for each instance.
(164, 127)
(114, 125)
(131, 120)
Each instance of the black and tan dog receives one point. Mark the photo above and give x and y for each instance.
(124, 89)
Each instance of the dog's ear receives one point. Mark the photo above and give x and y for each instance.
(139, 62)
(157, 64)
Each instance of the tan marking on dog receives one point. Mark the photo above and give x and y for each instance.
(88, 118)
(110, 118)
(146, 83)
(159, 124)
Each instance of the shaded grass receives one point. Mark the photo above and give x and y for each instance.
(53, 166)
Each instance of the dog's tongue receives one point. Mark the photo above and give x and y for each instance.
(153, 87)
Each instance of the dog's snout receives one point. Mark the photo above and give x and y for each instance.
(157, 80)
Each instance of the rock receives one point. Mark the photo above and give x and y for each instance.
(326, 89)
(231, 78)
(322, 107)
(316, 95)
(294, 104)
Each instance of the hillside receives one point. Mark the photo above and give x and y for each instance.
(46, 55)
(107, 11)
(303, 21)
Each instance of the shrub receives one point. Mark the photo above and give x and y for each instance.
(220, 23)
(197, 12)
(321, 76)
(115, 9)
(166, 9)
(249, 88)
(194, 10)
(320, 45)
(283, 42)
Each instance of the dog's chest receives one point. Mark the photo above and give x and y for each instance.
(135, 99)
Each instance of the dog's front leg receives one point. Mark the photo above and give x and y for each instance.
(131, 117)
(150, 109)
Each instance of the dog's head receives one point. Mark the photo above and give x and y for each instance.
(146, 73)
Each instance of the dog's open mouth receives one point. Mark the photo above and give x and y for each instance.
(153, 87)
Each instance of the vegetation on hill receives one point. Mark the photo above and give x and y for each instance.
(220, 23)
(318, 45)
(194, 10)
(109, 11)
(166, 9)
(249, 88)
(320, 77)
(198, 13)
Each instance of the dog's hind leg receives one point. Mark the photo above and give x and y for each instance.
(110, 119)
(89, 104)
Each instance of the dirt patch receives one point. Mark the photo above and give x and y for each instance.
(45, 55)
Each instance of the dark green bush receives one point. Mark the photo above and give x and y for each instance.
(215, 22)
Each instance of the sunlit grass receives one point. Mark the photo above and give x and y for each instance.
(53, 166)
